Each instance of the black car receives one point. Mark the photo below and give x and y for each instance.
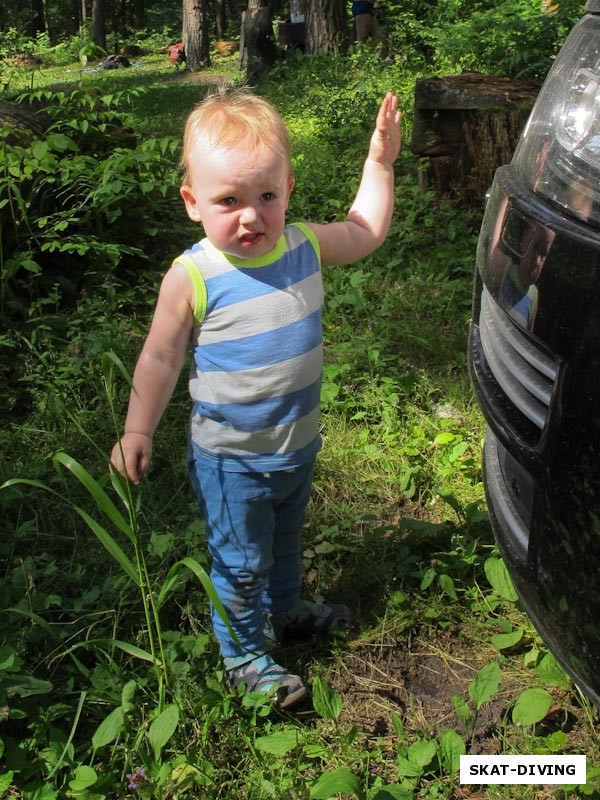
(534, 357)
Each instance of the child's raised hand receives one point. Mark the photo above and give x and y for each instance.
(385, 141)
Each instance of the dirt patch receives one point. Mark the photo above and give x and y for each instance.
(415, 679)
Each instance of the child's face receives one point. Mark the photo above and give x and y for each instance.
(240, 195)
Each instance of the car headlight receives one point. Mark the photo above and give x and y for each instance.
(559, 151)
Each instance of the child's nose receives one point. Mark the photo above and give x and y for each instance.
(248, 215)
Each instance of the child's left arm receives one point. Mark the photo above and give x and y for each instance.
(369, 219)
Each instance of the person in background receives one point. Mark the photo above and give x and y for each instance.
(365, 20)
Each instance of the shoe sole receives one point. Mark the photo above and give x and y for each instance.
(292, 698)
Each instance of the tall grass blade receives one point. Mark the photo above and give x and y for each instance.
(134, 651)
(119, 484)
(102, 500)
(206, 582)
(103, 535)
(110, 357)
(110, 545)
(60, 761)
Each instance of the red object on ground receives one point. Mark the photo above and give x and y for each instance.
(176, 53)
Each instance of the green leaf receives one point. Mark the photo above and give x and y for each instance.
(531, 706)
(485, 684)
(84, 778)
(504, 641)
(109, 729)
(393, 791)
(551, 673)
(334, 783)
(136, 652)
(6, 780)
(408, 768)
(58, 141)
(447, 585)
(427, 579)
(422, 752)
(457, 451)
(163, 728)
(323, 548)
(463, 710)
(497, 575)
(108, 359)
(39, 149)
(326, 702)
(397, 725)
(452, 748)
(279, 743)
(25, 685)
(127, 696)
(7, 658)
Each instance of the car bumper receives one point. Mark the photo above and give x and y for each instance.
(534, 361)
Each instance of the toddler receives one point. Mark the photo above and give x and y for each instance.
(249, 298)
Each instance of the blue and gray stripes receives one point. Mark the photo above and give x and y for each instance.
(258, 356)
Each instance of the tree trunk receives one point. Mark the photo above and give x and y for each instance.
(195, 35)
(139, 14)
(99, 23)
(220, 18)
(38, 17)
(257, 45)
(326, 26)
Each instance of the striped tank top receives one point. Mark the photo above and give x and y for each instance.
(257, 354)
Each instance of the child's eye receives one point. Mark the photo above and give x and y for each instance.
(268, 196)
(227, 201)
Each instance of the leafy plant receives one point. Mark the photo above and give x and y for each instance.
(63, 196)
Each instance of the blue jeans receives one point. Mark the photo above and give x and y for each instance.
(253, 523)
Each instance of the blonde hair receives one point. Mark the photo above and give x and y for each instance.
(229, 117)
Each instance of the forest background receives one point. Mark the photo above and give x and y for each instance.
(110, 682)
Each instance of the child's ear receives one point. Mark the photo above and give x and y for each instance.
(191, 206)
(291, 184)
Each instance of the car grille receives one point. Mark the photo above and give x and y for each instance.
(524, 373)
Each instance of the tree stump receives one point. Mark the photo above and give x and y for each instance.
(465, 127)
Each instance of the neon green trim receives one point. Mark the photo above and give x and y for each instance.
(262, 261)
(269, 258)
(310, 235)
(187, 262)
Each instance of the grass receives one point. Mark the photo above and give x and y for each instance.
(441, 655)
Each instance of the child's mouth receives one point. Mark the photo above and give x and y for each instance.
(250, 238)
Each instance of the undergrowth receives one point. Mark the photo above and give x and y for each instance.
(110, 684)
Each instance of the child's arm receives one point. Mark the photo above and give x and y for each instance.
(156, 373)
(369, 218)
